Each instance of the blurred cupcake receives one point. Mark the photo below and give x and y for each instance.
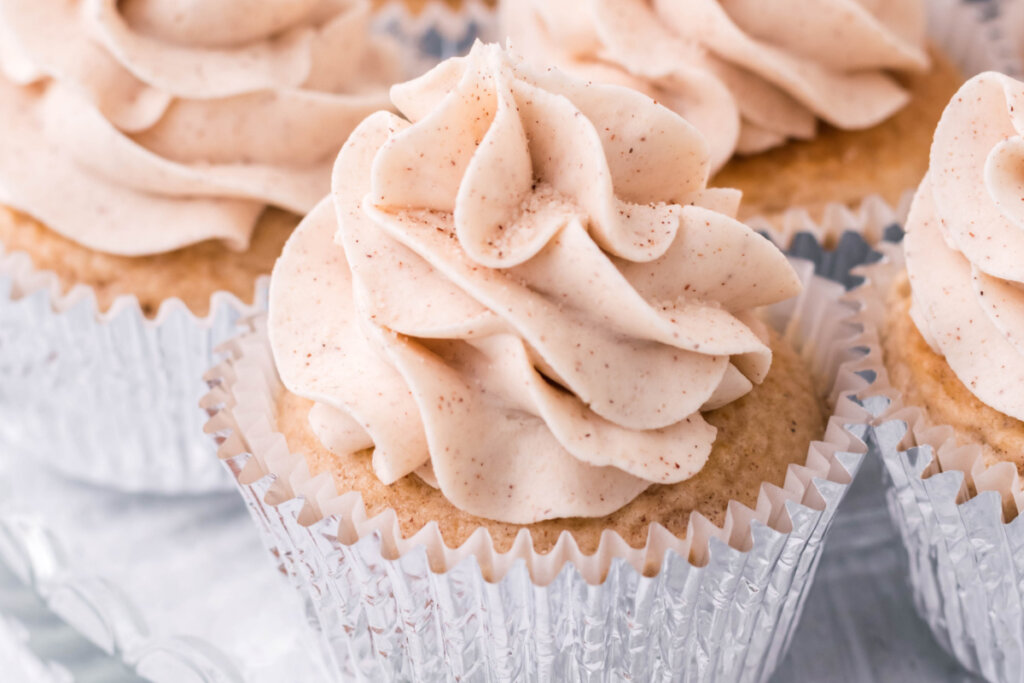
(822, 103)
(952, 334)
(143, 144)
(165, 127)
(523, 328)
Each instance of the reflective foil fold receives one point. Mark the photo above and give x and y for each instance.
(108, 397)
(719, 605)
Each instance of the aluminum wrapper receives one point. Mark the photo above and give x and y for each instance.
(109, 397)
(112, 397)
(719, 605)
(966, 561)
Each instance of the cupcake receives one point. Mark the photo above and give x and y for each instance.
(523, 333)
(951, 324)
(170, 132)
(155, 159)
(801, 105)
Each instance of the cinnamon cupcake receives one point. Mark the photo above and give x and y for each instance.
(951, 326)
(523, 328)
(801, 105)
(155, 158)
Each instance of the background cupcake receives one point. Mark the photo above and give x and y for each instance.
(950, 327)
(143, 146)
(822, 104)
(523, 329)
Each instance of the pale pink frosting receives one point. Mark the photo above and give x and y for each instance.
(142, 126)
(965, 241)
(524, 293)
(749, 74)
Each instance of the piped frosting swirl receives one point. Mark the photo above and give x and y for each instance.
(748, 74)
(965, 241)
(524, 293)
(142, 126)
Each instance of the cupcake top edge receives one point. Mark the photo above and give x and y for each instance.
(749, 75)
(522, 292)
(964, 246)
(143, 126)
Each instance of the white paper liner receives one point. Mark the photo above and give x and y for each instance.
(112, 397)
(952, 512)
(722, 602)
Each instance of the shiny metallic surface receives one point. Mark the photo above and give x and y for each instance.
(72, 377)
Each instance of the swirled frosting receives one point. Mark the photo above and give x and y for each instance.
(965, 242)
(523, 292)
(749, 74)
(142, 126)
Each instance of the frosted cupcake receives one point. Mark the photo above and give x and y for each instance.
(144, 141)
(155, 157)
(822, 103)
(523, 327)
(952, 326)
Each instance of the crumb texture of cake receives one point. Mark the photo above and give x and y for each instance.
(750, 75)
(524, 294)
(141, 127)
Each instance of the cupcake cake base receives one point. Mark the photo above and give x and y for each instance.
(191, 274)
(925, 380)
(759, 437)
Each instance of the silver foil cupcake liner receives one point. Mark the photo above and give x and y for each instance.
(952, 512)
(721, 604)
(112, 397)
(108, 397)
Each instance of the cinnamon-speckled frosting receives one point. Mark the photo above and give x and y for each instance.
(965, 241)
(524, 293)
(141, 126)
(749, 74)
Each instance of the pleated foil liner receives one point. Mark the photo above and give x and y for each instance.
(959, 520)
(108, 397)
(721, 604)
(112, 397)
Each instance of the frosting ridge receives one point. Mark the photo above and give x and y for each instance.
(965, 241)
(748, 75)
(524, 293)
(168, 122)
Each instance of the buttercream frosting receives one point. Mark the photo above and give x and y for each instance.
(523, 292)
(749, 74)
(142, 126)
(965, 241)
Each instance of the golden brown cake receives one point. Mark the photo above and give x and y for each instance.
(925, 380)
(191, 274)
(759, 437)
(845, 166)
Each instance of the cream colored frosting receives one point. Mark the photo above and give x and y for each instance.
(523, 292)
(965, 241)
(749, 74)
(142, 126)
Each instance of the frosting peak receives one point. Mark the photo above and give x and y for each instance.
(169, 122)
(748, 74)
(965, 241)
(524, 293)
